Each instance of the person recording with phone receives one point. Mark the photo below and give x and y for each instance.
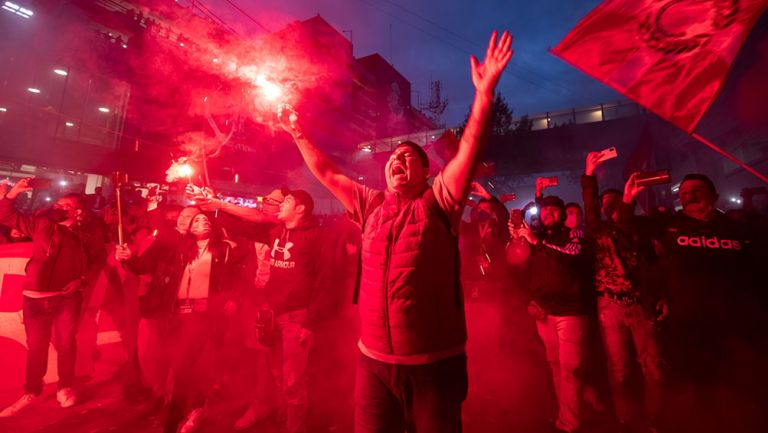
(66, 259)
(629, 303)
(559, 302)
(481, 244)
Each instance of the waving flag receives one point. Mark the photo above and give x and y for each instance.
(670, 56)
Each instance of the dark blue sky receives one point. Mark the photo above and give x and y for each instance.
(432, 39)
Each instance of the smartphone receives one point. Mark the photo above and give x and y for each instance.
(608, 153)
(516, 218)
(39, 183)
(650, 178)
(551, 181)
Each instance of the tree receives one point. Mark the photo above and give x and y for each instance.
(524, 125)
(501, 118)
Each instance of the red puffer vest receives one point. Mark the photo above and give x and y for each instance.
(410, 297)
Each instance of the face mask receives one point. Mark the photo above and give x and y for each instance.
(57, 215)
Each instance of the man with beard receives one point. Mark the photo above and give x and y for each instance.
(66, 260)
(412, 373)
(293, 292)
(557, 286)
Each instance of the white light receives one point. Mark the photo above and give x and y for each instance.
(367, 149)
(104, 109)
(33, 90)
(47, 199)
(534, 210)
(125, 46)
(269, 90)
(181, 44)
(63, 182)
(70, 124)
(733, 199)
(61, 72)
(3, 109)
(215, 60)
(361, 178)
(18, 10)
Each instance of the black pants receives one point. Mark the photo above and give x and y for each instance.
(414, 398)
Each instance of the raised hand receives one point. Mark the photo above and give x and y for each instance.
(289, 119)
(593, 161)
(20, 187)
(631, 190)
(485, 76)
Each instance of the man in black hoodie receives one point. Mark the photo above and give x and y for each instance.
(66, 259)
(293, 293)
(558, 290)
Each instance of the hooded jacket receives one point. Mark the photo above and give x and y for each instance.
(60, 254)
(296, 270)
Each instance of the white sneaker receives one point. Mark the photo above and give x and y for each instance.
(66, 397)
(192, 422)
(20, 404)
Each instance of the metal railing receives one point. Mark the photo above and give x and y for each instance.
(548, 120)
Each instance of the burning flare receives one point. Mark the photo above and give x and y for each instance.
(179, 170)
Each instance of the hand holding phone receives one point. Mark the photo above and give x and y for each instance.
(20, 187)
(594, 159)
(607, 154)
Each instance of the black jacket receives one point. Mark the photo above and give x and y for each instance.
(556, 272)
(630, 239)
(60, 254)
(712, 270)
(165, 261)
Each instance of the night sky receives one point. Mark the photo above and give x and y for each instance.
(432, 40)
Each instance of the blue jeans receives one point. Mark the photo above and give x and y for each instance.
(61, 314)
(623, 326)
(565, 339)
(289, 358)
(413, 398)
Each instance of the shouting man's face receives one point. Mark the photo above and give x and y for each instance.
(404, 170)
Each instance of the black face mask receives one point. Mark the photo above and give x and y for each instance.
(483, 216)
(57, 215)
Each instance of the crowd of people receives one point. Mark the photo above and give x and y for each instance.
(673, 301)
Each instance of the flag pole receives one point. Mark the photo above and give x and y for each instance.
(729, 156)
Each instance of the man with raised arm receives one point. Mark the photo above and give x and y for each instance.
(412, 372)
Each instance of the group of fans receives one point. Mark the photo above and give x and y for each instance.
(674, 296)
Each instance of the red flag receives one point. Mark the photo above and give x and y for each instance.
(670, 56)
